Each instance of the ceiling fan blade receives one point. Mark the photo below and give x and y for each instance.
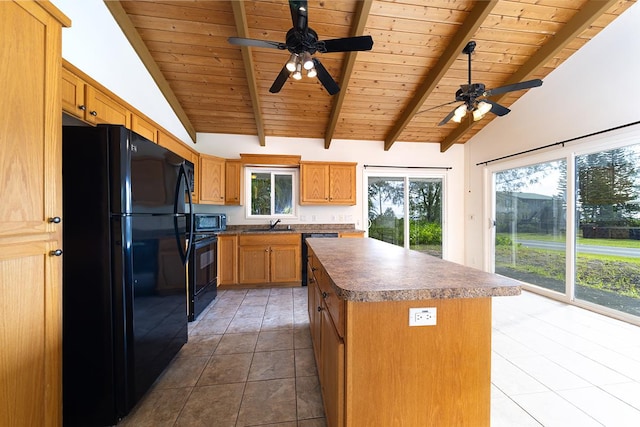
(516, 86)
(496, 108)
(241, 41)
(448, 117)
(325, 78)
(346, 44)
(280, 80)
(299, 15)
(436, 107)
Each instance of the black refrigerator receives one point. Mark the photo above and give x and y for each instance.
(126, 208)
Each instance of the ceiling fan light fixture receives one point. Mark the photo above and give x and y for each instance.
(459, 113)
(297, 74)
(291, 63)
(307, 61)
(482, 109)
(312, 72)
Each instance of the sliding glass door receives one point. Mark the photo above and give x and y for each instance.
(530, 224)
(531, 205)
(608, 229)
(411, 219)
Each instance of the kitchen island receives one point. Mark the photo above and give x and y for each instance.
(377, 370)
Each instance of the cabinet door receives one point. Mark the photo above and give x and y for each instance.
(314, 183)
(285, 263)
(212, 176)
(254, 264)
(342, 184)
(31, 178)
(102, 109)
(227, 259)
(233, 182)
(332, 376)
(73, 99)
(144, 127)
(315, 314)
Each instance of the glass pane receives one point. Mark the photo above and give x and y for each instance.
(425, 215)
(608, 235)
(386, 209)
(283, 193)
(260, 193)
(530, 224)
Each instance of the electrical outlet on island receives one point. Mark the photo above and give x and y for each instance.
(425, 316)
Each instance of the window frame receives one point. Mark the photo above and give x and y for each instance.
(293, 172)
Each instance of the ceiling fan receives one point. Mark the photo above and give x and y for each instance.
(474, 96)
(302, 42)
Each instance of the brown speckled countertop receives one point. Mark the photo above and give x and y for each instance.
(367, 270)
(295, 228)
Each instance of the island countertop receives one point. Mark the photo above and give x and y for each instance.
(368, 270)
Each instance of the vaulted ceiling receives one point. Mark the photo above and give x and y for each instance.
(389, 93)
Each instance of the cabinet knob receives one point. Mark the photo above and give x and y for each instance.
(93, 113)
(55, 220)
(82, 107)
(311, 280)
(325, 295)
(314, 268)
(57, 252)
(319, 308)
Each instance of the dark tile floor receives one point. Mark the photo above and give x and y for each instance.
(248, 362)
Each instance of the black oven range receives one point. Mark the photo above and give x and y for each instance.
(203, 262)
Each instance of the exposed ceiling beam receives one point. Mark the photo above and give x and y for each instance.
(359, 21)
(242, 28)
(588, 13)
(150, 64)
(471, 24)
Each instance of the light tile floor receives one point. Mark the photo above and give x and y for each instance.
(249, 362)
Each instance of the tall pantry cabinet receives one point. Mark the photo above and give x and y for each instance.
(30, 214)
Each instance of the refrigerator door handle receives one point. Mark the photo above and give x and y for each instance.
(184, 253)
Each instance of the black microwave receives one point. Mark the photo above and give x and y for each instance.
(209, 222)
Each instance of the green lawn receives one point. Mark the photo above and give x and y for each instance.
(619, 243)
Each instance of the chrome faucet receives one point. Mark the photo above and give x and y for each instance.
(272, 224)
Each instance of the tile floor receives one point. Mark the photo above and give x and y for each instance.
(249, 362)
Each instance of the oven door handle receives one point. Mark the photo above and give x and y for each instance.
(204, 242)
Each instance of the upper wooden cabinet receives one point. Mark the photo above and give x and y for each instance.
(212, 180)
(146, 128)
(323, 183)
(91, 104)
(233, 182)
(103, 109)
(31, 217)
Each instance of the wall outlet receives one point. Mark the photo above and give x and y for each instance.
(422, 316)
(303, 217)
(313, 217)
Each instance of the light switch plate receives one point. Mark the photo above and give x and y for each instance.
(425, 316)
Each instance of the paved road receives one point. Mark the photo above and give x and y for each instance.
(588, 249)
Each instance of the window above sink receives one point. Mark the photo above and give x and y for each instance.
(271, 192)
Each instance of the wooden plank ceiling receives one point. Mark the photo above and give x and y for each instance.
(415, 65)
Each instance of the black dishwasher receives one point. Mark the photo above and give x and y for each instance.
(305, 251)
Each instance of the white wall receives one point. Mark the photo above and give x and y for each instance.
(95, 44)
(595, 89)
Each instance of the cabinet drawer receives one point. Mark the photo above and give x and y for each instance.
(269, 239)
(333, 303)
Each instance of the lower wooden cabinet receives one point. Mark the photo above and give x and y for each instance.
(332, 372)
(227, 259)
(269, 258)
